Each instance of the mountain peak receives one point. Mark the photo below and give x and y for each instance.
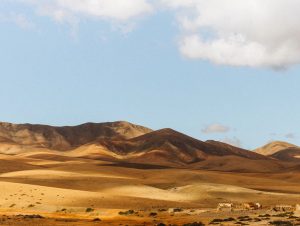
(274, 147)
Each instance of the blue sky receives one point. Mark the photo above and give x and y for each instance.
(102, 68)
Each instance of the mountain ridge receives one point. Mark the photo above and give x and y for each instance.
(67, 137)
(125, 142)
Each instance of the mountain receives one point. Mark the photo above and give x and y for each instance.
(167, 147)
(281, 151)
(126, 143)
(289, 154)
(274, 147)
(66, 137)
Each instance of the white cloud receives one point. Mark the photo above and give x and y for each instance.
(216, 128)
(19, 19)
(233, 141)
(72, 11)
(255, 33)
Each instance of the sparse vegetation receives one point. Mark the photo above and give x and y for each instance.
(244, 218)
(194, 224)
(161, 224)
(152, 214)
(281, 223)
(96, 220)
(162, 210)
(217, 221)
(285, 214)
(126, 213)
(34, 216)
(264, 215)
(176, 210)
(89, 209)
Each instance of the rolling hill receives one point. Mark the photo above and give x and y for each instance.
(273, 147)
(281, 151)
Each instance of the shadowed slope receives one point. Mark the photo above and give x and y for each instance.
(290, 154)
(167, 147)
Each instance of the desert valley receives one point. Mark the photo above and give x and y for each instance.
(120, 173)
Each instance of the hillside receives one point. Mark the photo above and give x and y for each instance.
(162, 147)
(273, 147)
(66, 137)
(126, 143)
(289, 154)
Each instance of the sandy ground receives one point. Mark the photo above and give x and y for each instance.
(66, 189)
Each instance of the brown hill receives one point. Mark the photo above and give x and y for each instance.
(123, 142)
(273, 147)
(239, 164)
(289, 154)
(169, 147)
(66, 137)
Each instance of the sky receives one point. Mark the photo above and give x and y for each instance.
(226, 70)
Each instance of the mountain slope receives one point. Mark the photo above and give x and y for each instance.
(67, 137)
(123, 142)
(167, 147)
(273, 147)
(289, 154)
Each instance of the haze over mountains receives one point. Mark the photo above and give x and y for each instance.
(123, 142)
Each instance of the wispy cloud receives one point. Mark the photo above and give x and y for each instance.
(72, 11)
(18, 19)
(233, 141)
(290, 136)
(215, 128)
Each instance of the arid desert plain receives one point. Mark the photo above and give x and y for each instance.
(123, 174)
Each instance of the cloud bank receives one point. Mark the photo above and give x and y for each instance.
(252, 33)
